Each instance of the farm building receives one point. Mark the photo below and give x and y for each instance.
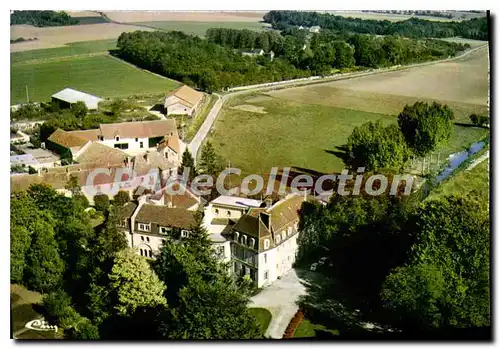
(68, 96)
(183, 100)
(253, 53)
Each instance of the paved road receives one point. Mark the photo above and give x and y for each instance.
(198, 139)
(280, 299)
(196, 142)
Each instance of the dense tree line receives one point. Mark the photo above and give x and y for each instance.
(95, 287)
(216, 64)
(476, 28)
(199, 62)
(42, 18)
(412, 267)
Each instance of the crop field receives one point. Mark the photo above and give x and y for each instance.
(303, 126)
(199, 28)
(401, 17)
(183, 16)
(72, 49)
(49, 37)
(100, 75)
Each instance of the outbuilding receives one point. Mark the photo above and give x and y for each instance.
(68, 96)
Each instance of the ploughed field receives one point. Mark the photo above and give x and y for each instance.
(305, 127)
(200, 28)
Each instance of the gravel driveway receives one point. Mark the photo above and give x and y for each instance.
(280, 299)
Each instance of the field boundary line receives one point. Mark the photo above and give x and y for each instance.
(60, 58)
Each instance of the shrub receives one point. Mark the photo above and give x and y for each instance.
(101, 202)
(121, 198)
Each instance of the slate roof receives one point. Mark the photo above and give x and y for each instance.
(166, 216)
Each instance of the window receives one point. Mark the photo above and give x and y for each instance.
(144, 227)
(266, 275)
(236, 236)
(278, 239)
(216, 212)
(252, 243)
(101, 138)
(121, 145)
(137, 139)
(266, 244)
(165, 230)
(265, 258)
(289, 231)
(244, 239)
(147, 238)
(142, 238)
(141, 144)
(150, 254)
(184, 233)
(229, 213)
(117, 138)
(283, 235)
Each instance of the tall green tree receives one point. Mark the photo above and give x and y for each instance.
(208, 160)
(446, 280)
(79, 109)
(376, 147)
(426, 127)
(121, 198)
(44, 267)
(187, 162)
(135, 283)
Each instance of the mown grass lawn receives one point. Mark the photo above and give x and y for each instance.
(102, 76)
(287, 134)
(200, 28)
(263, 317)
(21, 302)
(71, 49)
(307, 329)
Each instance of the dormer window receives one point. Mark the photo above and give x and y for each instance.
(266, 244)
(283, 235)
(289, 231)
(252, 243)
(278, 239)
(117, 138)
(244, 239)
(144, 227)
(236, 236)
(165, 230)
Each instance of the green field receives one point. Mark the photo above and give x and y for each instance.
(100, 75)
(307, 329)
(473, 182)
(282, 133)
(199, 28)
(72, 49)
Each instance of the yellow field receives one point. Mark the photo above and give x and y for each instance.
(462, 84)
(184, 16)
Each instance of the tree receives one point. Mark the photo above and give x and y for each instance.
(101, 202)
(121, 198)
(208, 161)
(110, 240)
(20, 240)
(426, 127)
(198, 241)
(188, 162)
(479, 120)
(446, 279)
(204, 301)
(375, 147)
(79, 109)
(117, 106)
(44, 267)
(135, 283)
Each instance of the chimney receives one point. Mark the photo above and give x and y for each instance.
(266, 219)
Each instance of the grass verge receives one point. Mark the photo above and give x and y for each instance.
(263, 317)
